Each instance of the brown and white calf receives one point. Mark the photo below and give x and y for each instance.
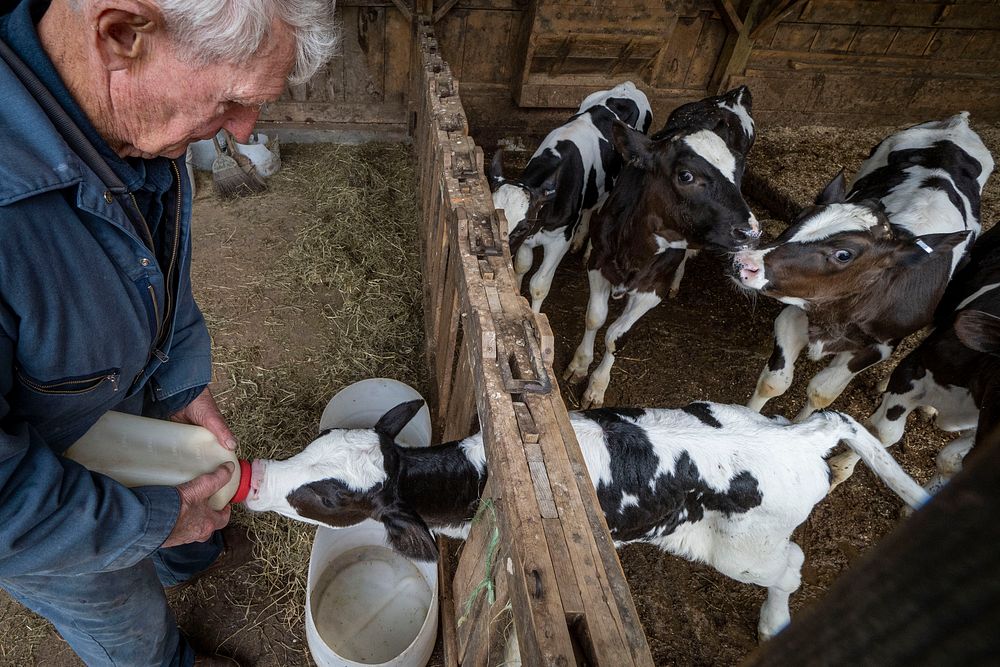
(712, 483)
(679, 192)
(565, 181)
(862, 270)
(955, 371)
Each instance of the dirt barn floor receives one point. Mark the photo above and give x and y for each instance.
(316, 284)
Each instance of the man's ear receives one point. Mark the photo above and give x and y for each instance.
(123, 34)
(634, 146)
(834, 192)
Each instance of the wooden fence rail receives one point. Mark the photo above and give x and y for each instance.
(540, 559)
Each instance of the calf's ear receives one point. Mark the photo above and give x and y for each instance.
(393, 421)
(407, 532)
(495, 172)
(835, 191)
(917, 273)
(979, 331)
(635, 147)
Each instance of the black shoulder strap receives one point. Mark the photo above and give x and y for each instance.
(69, 131)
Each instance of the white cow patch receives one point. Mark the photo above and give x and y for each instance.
(662, 244)
(835, 219)
(975, 295)
(922, 210)
(714, 150)
(513, 200)
(955, 129)
(745, 120)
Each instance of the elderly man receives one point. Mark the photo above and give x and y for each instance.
(100, 100)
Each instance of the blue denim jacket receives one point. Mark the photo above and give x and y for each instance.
(81, 303)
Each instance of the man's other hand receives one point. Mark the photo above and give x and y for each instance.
(203, 412)
(197, 521)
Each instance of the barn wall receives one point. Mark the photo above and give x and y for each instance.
(522, 64)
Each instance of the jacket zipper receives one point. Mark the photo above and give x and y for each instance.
(91, 383)
(168, 278)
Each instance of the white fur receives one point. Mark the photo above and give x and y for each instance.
(835, 219)
(745, 120)
(513, 200)
(955, 129)
(714, 150)
(352, 456)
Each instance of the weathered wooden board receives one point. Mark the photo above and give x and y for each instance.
(545, 549)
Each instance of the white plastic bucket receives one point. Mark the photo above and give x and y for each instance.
(364, 602)
(363, 403)
(264, 159)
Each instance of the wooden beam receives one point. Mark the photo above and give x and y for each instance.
(780, 11)
(404, 9)
(735, 52)
(729, 15)
(441, 11)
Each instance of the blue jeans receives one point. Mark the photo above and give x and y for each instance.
(119, 617)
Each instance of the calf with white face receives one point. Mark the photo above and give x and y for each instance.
(679, 192)
(712, 483)
(862, 270)
(564, 182)
(955, 370)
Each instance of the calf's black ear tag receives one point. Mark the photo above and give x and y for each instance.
(393, 421)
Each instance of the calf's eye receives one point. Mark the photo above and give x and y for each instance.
(843, 255)
(685, 176)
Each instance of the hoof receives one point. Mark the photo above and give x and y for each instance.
(574, 376)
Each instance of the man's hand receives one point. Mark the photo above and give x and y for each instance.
(197, 521)
(203, 412)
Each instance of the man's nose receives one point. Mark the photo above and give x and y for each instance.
(241, 123)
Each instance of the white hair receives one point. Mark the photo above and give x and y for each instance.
(235, 30)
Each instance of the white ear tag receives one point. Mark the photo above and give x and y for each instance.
(923, 246)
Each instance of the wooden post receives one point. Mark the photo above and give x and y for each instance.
(928, 594)
(540, 560)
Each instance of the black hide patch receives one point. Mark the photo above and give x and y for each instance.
(332, 502)
(777, 360)
(703, 411)
(947, 155)
(945, 186)
(672, 499)
(441, 483)
(895, 412)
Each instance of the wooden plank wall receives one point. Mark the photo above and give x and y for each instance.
(366, 84)
(539, 559)
(873, 61)
(524, 63)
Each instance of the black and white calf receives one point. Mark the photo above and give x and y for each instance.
(566, 179)
(955, 371)
(861, 271)
(713, 483)
(679, 191)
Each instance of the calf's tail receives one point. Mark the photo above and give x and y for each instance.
(877, 457)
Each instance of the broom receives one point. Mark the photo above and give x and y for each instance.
(254, 180)
(228, 179)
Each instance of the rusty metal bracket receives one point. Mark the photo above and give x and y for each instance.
(520, 359)
(484, 234)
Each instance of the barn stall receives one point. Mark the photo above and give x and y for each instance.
(456, 76)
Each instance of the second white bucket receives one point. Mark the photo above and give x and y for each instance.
(365, 603)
